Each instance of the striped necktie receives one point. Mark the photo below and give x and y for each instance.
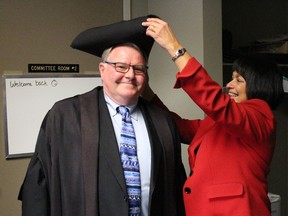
(129, 159)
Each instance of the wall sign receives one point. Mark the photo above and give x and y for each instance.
(53, 68)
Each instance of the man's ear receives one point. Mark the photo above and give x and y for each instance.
(101, 67)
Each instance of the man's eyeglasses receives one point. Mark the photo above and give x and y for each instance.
(124, 68)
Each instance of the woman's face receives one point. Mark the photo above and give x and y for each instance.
(237, 88)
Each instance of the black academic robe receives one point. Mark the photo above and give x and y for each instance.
(76, 168)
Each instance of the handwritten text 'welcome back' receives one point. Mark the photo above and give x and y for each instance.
(22, 84)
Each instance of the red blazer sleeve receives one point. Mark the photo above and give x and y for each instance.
(252, 119)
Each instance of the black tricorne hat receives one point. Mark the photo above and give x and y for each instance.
(96, 40)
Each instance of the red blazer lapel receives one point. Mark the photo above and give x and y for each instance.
(205, 126)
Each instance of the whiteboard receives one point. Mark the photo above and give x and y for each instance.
(27, 99)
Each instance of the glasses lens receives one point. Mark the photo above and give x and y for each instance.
(139, 69)
(122, 67)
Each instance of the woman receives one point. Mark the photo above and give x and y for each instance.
(231, 149)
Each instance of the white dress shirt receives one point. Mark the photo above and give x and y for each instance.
(143, 146)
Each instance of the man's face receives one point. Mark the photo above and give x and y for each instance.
(123, 88)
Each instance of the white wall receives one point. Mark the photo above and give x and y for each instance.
(197, 24)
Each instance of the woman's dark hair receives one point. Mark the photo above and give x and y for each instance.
(263, 78)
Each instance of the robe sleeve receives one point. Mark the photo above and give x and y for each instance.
(34, 192)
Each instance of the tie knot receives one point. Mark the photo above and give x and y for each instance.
(123, 110)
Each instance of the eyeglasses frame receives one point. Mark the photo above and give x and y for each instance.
(133, 67)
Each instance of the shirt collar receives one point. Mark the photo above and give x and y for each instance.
(133, 109)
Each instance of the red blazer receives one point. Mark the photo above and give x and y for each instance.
(230, 150)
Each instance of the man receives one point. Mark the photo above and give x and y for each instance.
(76, 168)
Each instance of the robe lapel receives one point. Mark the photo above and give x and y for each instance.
(109, 146)
(156, 148)
(94, 112)
(163, 145)
(90, 139)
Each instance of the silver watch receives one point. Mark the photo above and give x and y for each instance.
(179, 53)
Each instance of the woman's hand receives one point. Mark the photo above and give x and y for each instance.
(162, 34)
